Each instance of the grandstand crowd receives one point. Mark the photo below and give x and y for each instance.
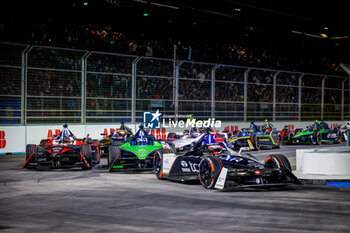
(106, 38)
(194, 83)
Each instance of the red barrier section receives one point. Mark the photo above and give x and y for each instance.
(57, 132)
(49, 135)
(2, 140)
(236, 127)
(292, 127)
(157, 134)
(105, 132)
(152, 131)
(163, 133)
(232, 128)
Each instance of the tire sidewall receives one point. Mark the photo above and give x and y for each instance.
(214, 174)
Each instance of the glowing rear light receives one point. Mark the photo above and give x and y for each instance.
(257, 172)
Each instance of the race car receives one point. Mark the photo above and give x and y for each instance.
(115, 138)
(316, 133)
(217, 166)
(286, 134)
(64, 151)
(186, 139)
(255, 137)
(136, 154)
(344, 129)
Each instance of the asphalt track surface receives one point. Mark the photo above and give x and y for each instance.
(98, 201)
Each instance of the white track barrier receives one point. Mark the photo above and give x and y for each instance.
(331, 161)
(17, 137)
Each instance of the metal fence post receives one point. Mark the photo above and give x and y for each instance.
(342, 99)
(274, 96)
(83, 86)
(176, 94)
(133, 89)
(245, 104)
(299, 96)
(213, 90)
(322, 96)
(24, 84)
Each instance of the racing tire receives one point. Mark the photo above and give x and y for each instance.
(317, 137)
(30, 156)
(96, 154)
(157, 163)
(113, 155)
(255, 141)
(209, 171)
(279, 144)
(116, 143)
(278, 161)
(87, 154)
(287, 138)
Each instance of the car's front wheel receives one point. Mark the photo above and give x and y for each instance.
(209, 171)
(157, 162)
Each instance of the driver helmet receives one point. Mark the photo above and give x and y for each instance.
(142, 141)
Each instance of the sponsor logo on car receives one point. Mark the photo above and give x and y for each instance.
(193, 166)
(189, 167)
(331, 135)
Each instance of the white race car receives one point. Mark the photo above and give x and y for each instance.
(344, 130)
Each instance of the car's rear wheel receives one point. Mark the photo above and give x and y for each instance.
(279, 144)
(30, 156)
(209, 171)
(255, 141)
(113, 155)
(87, 154)
(278, 161)
(96, 154)
(317, 137)
(287, 138)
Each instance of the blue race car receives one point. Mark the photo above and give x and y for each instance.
(255, 137)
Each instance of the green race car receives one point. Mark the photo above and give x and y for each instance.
(317, 133)
(137, 154)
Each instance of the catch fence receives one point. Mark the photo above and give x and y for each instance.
(44, 85)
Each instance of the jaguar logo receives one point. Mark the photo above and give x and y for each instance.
(184, 164)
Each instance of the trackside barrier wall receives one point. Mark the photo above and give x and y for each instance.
(15, 138)
(50, 85)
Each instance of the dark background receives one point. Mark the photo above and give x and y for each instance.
(259, 25)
